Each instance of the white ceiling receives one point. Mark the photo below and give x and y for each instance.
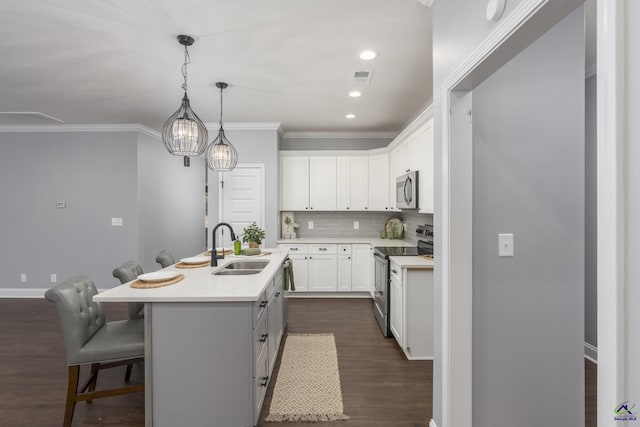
(288, 61)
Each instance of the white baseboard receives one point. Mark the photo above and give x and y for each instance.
(22, 292)
(432, 423)
(303, 294)
(26, 292)
(591, 352)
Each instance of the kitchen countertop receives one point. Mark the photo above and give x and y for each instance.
(373, 241)
(412, 262)
(199, 285)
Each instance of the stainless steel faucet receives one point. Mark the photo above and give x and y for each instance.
(214, 252)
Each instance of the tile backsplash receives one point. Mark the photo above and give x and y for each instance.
(340, 224)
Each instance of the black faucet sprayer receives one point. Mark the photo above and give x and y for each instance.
(214, 252)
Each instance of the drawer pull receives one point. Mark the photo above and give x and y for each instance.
(263, 304)
(394, 271)
(322, 249)
(277, 294)
(263, 337)
(293, 249)
(265, 381)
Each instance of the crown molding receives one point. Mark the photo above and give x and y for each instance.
(277, 126)
(82, 128)
(340, 135)
(417, 123)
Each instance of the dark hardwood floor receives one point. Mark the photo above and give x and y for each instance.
(379, 387)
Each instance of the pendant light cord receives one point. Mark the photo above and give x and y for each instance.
(187, 61)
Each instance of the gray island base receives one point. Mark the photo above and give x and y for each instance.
(210, 346)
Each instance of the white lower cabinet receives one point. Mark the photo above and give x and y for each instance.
(411, 311)
(331, 268)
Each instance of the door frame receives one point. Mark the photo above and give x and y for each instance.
(262, 189)
(529, 20)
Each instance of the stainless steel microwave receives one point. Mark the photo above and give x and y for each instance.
(407, 191)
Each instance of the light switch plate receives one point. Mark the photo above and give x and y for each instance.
(23, 278)
(356, 225)
(310, 225)
(54, 278)
(505, 244)
(116, 222)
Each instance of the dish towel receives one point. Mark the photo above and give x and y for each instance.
(289, 284)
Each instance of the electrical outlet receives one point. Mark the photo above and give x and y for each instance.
(310, 225)
(356, 225)
(23, 278)
(54, 278)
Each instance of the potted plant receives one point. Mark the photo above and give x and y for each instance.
(253, 235)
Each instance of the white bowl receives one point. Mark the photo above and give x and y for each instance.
(195, 260)
(158, 276)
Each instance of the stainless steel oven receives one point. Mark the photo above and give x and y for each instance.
(381, 295)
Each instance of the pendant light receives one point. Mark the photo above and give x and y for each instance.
(221, 155)
(184, 134)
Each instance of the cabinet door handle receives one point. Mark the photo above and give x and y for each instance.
(394, 271)
(306, 207)
(293, 249)
(310, 257)
(366, 208)
(263, 337)
(306, 258)
(322, 249)
(347, 207)
(348, 257)
(311, 207)
(265, 381)
(263, 304)
(277, 294)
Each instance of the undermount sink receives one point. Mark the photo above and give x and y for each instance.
(242, 268)
(224, 272)
(246, 265)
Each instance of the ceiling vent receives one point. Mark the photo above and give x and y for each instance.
(363, 77)
(27, 118)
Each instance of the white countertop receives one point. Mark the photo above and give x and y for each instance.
(373, 241)
(199, 285)
(412, 262)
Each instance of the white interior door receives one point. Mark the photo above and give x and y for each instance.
(241, 201)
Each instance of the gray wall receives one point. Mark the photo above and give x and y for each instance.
(632, 297)
(171, 203)
(256, 147)
(95, 173)
(528, 178)
(590, 237)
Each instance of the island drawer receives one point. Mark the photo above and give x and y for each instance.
(344, 249)
(261, 336)
(259, 307)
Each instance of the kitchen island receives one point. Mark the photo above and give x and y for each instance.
(211, 343)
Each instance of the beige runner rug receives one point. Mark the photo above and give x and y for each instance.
(308, 384)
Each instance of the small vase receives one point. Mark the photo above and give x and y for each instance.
(254, 244)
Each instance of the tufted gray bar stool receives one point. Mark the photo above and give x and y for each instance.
(90, 340)
(165, 259)
(127, 272)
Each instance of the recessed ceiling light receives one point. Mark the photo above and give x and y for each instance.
(350, 116)
(355, 93)
(367, 55)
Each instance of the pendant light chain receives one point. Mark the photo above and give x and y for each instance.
(185, 66)
(221, 107)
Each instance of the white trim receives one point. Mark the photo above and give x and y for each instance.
(591, 352)
(82, 128)
(31, 113)
(420, 121)
(304, 294)
(277, 126)
(590, 70)
(27, 292)
(611, 199)
(340, 135)
(432, 423)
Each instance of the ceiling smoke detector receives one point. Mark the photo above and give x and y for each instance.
(363, 77)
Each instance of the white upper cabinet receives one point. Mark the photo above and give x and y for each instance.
(379, 182)
(294, 183)
(343, 179)
(359, 183)
(322, 183)
(425, 179)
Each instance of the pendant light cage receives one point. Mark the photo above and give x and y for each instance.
(184, 134)
(221, 154)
